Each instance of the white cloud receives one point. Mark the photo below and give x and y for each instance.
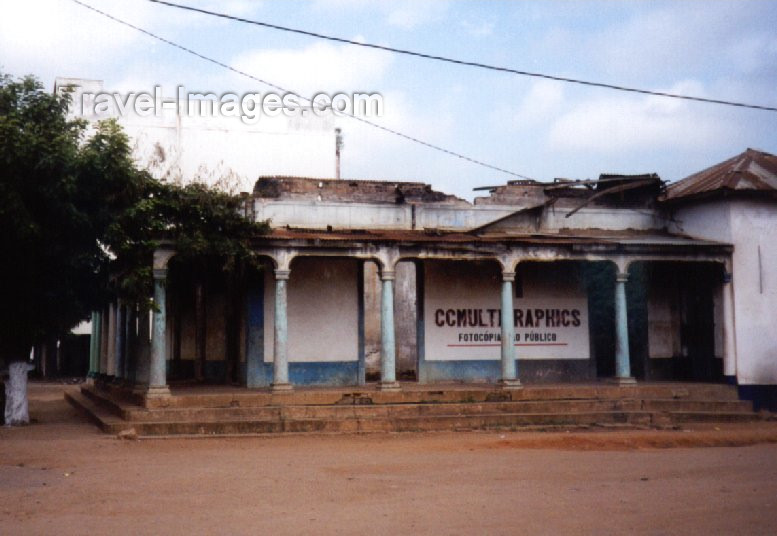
(753, 53)
(408, 14)
(330, 5)
(541, 103)
(231, 7)
(52, 38)
(680, 39)
(405, 14)
(62, 38)
(614, 123)
(320, 67)
(479, 28)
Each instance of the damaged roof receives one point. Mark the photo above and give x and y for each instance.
(752, 171)
(351, 191)
(614, 190)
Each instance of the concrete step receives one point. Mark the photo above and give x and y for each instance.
(352, 411)
(730, 406)
(135, 414)
(422, 423)
(248, 398)
(105, 420)
(681, 417)
(107, 401)
(194, 397)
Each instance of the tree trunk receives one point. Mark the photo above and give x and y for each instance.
(16, 412)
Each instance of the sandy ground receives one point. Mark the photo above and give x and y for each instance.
(61, 476)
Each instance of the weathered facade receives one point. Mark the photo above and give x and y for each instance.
(373, 280)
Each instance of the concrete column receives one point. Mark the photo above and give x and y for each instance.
(729, 332)
(388, 348)
(130, 342)
(622, 365)
(280, 381)
(420, 336)
(157, 376)
(142, 358)
(118, 351)
(102, 356)
(94, 345)
(200, 328)
(111, 342)
(361, 371)
(509, 376)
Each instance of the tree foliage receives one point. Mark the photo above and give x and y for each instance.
(79, 221)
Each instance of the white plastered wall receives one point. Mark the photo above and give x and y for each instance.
(750, 225)
(754, 226)
(322, 311)
(477, 286)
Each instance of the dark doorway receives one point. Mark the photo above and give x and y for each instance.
(681, 322)
(599, 280)
(697, 330)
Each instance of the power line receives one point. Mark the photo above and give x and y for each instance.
(467, 63)
(284, 90)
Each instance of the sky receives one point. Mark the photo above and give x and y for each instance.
(537, 128)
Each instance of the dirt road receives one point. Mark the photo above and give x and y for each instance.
(60, 476)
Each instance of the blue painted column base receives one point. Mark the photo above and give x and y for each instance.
(94, 346)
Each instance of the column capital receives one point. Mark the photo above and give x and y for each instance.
(282, 258)
(622, 277)
(508, 276)
(162, 258)
(282, 274)
(160, 274)
(387, 275)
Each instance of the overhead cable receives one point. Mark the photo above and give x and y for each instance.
(284, 90)
(468, 63)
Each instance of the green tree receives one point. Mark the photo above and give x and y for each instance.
(74, 209)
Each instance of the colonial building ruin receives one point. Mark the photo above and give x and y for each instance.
(619, 278)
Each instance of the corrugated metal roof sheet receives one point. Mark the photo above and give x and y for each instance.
(751, 171)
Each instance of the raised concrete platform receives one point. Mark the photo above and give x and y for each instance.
(217, 410)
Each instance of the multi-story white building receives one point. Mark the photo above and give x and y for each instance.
(184, 138)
